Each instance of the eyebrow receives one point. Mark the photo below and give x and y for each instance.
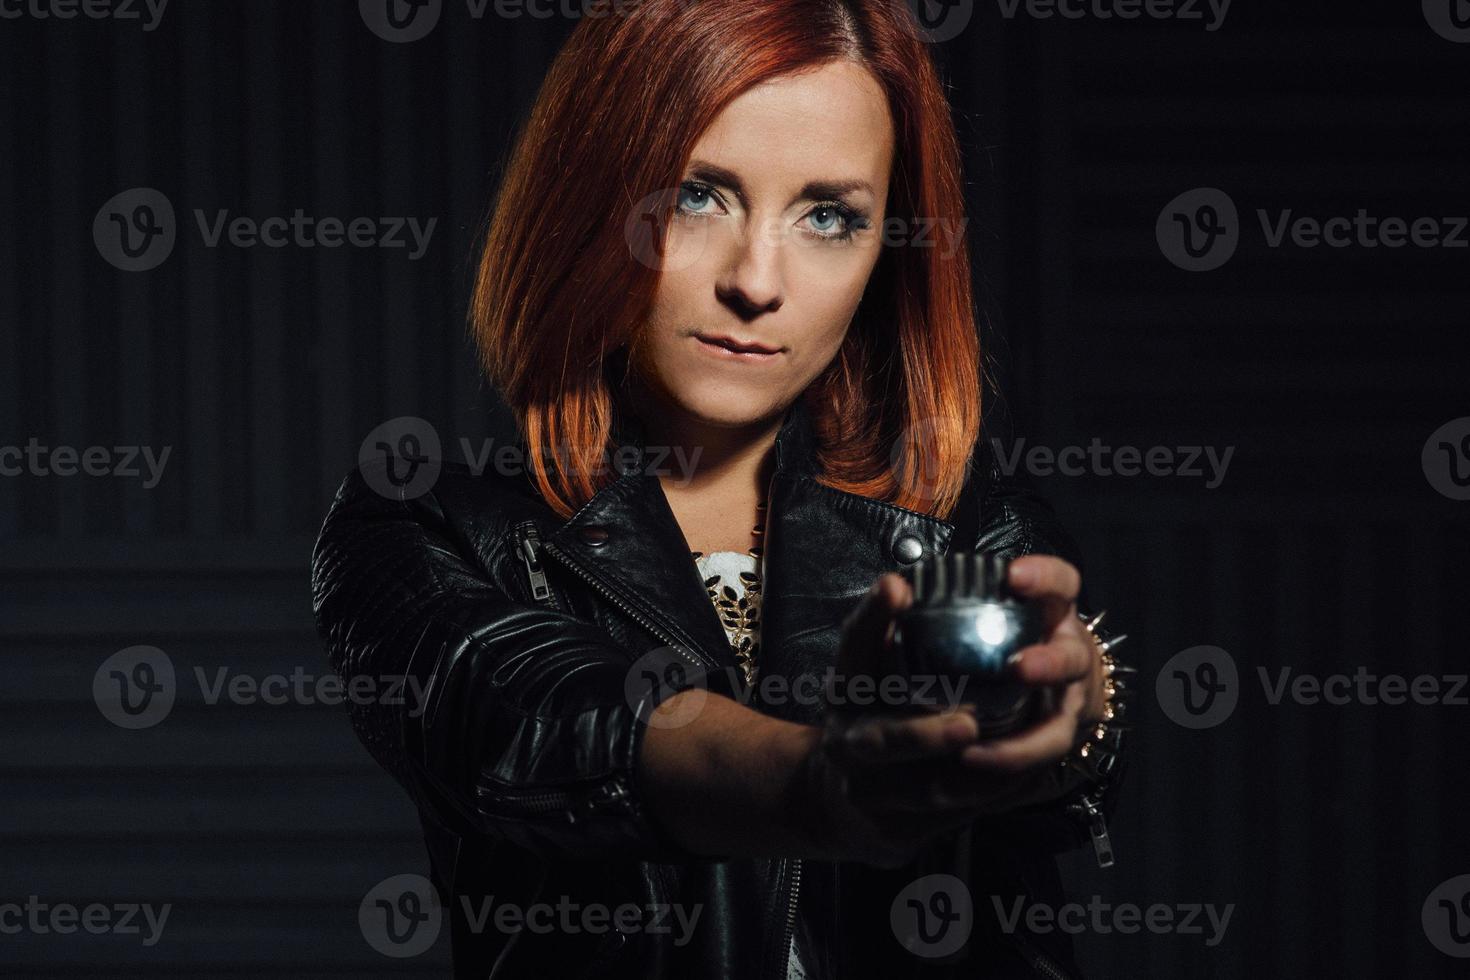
(816, 189)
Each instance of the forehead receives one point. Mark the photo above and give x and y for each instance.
(830, 123)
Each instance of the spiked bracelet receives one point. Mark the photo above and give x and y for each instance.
(1096, 756)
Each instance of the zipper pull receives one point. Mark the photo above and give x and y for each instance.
(1097, 826)
(529, 541)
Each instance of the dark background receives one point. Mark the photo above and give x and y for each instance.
(1326, 547)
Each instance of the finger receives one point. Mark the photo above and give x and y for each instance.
(1049, 581)
(1045, 743)
(1067, 657)
(866, 629)
(880, 741)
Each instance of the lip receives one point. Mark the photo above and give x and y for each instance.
(732, 347)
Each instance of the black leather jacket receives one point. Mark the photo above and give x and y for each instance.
(522, 761)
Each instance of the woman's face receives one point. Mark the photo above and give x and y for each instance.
(771, 246)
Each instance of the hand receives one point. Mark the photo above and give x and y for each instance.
(878, 785)
(1065, 658)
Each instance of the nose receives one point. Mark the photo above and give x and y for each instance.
(752, 283)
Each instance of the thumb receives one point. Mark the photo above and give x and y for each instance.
(867, 631)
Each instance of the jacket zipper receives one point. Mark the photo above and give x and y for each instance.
(648, 624)
(575, 805)
(528, 543)
(783, 956)
(1097, 827)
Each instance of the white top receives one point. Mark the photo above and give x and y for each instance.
(733, 581)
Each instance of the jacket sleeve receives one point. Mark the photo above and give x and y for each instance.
(513, 719)
(1016, 521)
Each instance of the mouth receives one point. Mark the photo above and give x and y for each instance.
(731, 347)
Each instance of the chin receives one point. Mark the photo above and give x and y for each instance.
(724, 406)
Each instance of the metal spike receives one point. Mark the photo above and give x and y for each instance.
(1111, 642)
(1092, 623)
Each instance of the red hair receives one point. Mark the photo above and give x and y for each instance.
(559, 289)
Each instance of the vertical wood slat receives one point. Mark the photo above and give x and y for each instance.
(69, 233)
(397, 318)
(202, 305)
(268, 271)
(132, 315)
(337, 311)
(16, 330)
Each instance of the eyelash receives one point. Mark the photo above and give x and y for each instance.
(852, 219)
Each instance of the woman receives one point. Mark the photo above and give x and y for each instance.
(726, 295)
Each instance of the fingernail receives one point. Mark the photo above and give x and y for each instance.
(960, 728)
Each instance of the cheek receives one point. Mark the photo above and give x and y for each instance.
(827, 295)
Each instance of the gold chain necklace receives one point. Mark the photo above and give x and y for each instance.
(740, 614)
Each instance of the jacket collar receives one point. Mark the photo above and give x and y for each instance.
(823, 549)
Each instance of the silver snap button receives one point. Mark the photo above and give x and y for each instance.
(908, 549)
(594, 535)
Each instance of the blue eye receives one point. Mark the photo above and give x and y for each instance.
(834, 220)
(695, 198)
